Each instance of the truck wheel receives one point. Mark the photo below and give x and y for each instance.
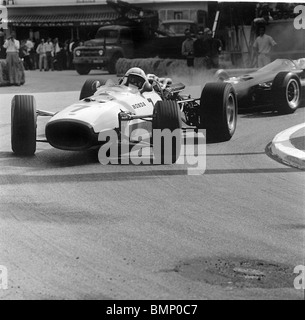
(82, 69)
(286, 92)
(167, 115)
(23, 125)
(218, 111)
(89, 87)
(112, 63)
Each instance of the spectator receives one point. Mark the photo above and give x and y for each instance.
(70, 54)
(58, 55)
(199, 50)
(41, 50)
(49, 54)
(262, 47)
(12, 46)
(65, 55)
(212, 49)
(75, 45)
(35, 55)
(25, 55)
(2, 50)
(187, 49)
(263, 12)
(30, 47)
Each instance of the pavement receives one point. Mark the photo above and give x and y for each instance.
(289, 146)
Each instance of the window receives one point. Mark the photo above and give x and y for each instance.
(125, 34)
(107, 34)
(178, 15)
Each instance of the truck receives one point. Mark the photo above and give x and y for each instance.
(169, 37)
(129, 36)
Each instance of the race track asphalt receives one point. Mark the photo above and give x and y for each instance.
(71, 228)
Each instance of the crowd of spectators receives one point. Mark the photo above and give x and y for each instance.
(46, 54)
(202, 52)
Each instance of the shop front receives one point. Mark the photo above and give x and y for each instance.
(82, 19)
(62, 22)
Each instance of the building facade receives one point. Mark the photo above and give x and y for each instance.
(80, 19)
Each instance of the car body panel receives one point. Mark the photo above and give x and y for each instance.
(100, 112)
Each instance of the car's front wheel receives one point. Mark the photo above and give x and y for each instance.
(286, 92)
(167, 132)
(218, 111)
(23, 125)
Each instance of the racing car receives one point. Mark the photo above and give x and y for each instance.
(136, 101)
(277, 86)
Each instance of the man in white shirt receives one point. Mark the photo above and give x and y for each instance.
(12, 47)
(50, 54)
(41, 50)
(262, 47)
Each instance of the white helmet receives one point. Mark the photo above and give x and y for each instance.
(136, 77)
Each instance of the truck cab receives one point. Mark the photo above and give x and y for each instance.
(111, 43)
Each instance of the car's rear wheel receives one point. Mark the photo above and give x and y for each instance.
(89, 87)
(218, 111)
(23, 125)
(286, 92)
(82, 69)
(166, 118)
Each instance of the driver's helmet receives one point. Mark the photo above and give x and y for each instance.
(135, 77)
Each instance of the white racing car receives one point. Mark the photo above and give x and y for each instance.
(137, 101)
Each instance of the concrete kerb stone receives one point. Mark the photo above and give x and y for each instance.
(282, 148)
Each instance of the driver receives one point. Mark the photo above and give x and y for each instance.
(135, 77)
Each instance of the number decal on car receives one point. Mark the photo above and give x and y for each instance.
(150, 100)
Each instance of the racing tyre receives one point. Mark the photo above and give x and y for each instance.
(82, 69)
(89, 87)
(218, 111)
(112, 63)
(167, 117)
(23, 125)
(286, 92)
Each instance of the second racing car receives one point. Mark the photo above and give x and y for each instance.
(136, 101)
(277, 86)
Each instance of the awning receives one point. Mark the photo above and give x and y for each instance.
(62, 20)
